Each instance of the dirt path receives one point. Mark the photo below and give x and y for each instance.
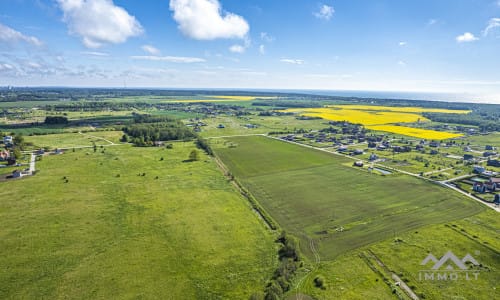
(396, 278)
(96, 137)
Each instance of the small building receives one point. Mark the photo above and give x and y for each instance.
(489, 147)
(434, 152)
(221, 126)
(478, 169)
(468, 157)
(358, 163)
(489, 153)
(373, 157)
(493, 163)
(40, 152)
(358, 152)
(342, 148)
(434, 144)
(8, 141)
(479, 187)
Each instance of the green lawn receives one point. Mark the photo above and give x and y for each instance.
(312, 194)
(181, 231)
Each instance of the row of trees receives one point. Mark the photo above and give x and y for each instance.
(53, 120)
(281, 282)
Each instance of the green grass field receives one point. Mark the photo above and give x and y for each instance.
(70, 140)
(477, 235)
(181, 231)
(313, 194)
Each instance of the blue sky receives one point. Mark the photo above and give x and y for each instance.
(428, 46)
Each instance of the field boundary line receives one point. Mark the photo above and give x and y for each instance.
(256, 207)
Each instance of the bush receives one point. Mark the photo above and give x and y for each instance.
(319, 282)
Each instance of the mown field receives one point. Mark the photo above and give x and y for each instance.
(319, 196)
(123, 223)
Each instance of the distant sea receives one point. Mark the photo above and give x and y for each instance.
(447, 97)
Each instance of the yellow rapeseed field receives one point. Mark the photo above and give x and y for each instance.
(415, 132)
(380, 118)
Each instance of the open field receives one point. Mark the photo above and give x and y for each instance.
(127, 224)
(317, 195)
(236, 125)
(380, 118)
(70, 140)
(477, 235)
(415, 132)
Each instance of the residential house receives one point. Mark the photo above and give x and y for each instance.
(493, 163)
(8, 141)
(479, 187)
(497, 199)
(468, 157)
(478, 169)
(373, 157)
(434, 144)
(489, 147)
(358, 152)
(488, 153)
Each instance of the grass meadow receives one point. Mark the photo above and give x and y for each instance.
(129, 222)
(317, 195)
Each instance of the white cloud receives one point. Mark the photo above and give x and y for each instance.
(262, 49)
(292, 61)
(174, 59)
(237, 49)
(205, 20)
(266, 37)
(432, 22)
(99, 22)
(151, 50)
(402, 63)
(95, 53)
(466, 37)
(325, 12)
(492, 24)
(11, 36)
(402, 44)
